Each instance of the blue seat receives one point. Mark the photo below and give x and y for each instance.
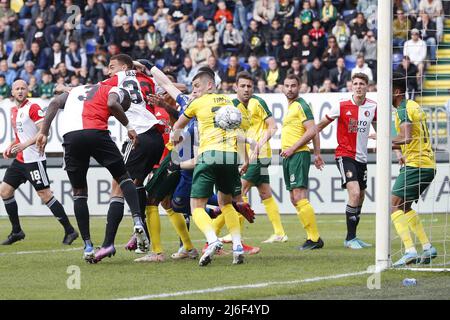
(396, 60)
(159, 63)
(223, 63)
(264, 62)
(9, 47)
(347, 13)
(350, 62)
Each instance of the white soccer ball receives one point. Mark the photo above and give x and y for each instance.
(228, 117)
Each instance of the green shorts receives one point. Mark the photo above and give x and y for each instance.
(216, 168)
(296, 170)
(258, 172)
(162, 184)
(412, 181)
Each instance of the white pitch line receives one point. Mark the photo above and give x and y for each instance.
(247, 286)
(39, 251)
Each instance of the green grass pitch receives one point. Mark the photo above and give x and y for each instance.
(36, 268)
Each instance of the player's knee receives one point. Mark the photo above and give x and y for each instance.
(6, 191)
(180, 205)
(45, 195)
(166, 203)
(354, 196)
(123, 178)
(80, 192)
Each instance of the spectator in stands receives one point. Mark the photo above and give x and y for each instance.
(172, 34)
(307, 52)
(229, 75)
(328, 15)
(153, 38)
(68, 34)
(409, 6)
(17, 57)
(47, 87)
(178, 16)
(232, 39)
(204, 14)
(296, 68)
(10, 20)
(222, 16)
(160, 18)
(274, 77)
(5, 89)
(401, 27)
(416, 50)
(200, 54)
(211, 38)
(140, 51)
(358, 32)
(241, 10)
(43, 10)
(264, 13)
(285, 12)
(326, 86)
(4, 32)
(339, 76)
(37, 55)
(287, 52)
(317, 35)
(187, 73)
(212, 63)
(3, 54)
(409, 72)
(25, 11)
(74, 81)
(29, 71)
(33, 87)
(37, 34)
(296, 31)
(140, 21)
(331, 53)
(92, 12)
(190, 38)
(173, 57)
(126, 37)
(76, 60)
(63, 72)
(254, 69)
(56, 56)
(113, 49)
(307, 16)
(435, 10)
(261, 86)
(369, 9)
(349, 86)
(255, 42)
(316, 75)
(304, 88)
(102, 34)
(369, 50)
(120, 18)
(362, 67)
(427, 29)
(275, 35)
(9, 74)
(98, 70)
(342, 33)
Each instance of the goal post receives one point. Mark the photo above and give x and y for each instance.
(384, 135)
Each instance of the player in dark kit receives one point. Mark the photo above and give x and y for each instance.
(85, 133)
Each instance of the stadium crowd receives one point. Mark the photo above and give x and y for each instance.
(47, 42)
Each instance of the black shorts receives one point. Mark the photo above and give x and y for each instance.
(79, 146)
(35, 172)
(352, 170)
(141, 160)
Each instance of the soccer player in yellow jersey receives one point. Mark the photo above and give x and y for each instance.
(217, 165)
(296, 160)
(262, 128)
(418, 168)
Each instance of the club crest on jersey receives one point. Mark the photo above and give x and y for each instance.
(349, 174)
(292, 178)
(367, 113)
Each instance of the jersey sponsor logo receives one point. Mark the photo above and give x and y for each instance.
(357, 126)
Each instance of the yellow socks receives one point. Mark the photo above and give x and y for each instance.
(400, 222)
(179, 223)
(241, 223)
(274, 215)
(416, 226)
(307, 217)
(218, 223)
(233, 225)
(205, 224)
(154, 228)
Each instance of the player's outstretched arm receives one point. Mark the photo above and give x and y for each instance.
(53, 108)
(164, 82)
